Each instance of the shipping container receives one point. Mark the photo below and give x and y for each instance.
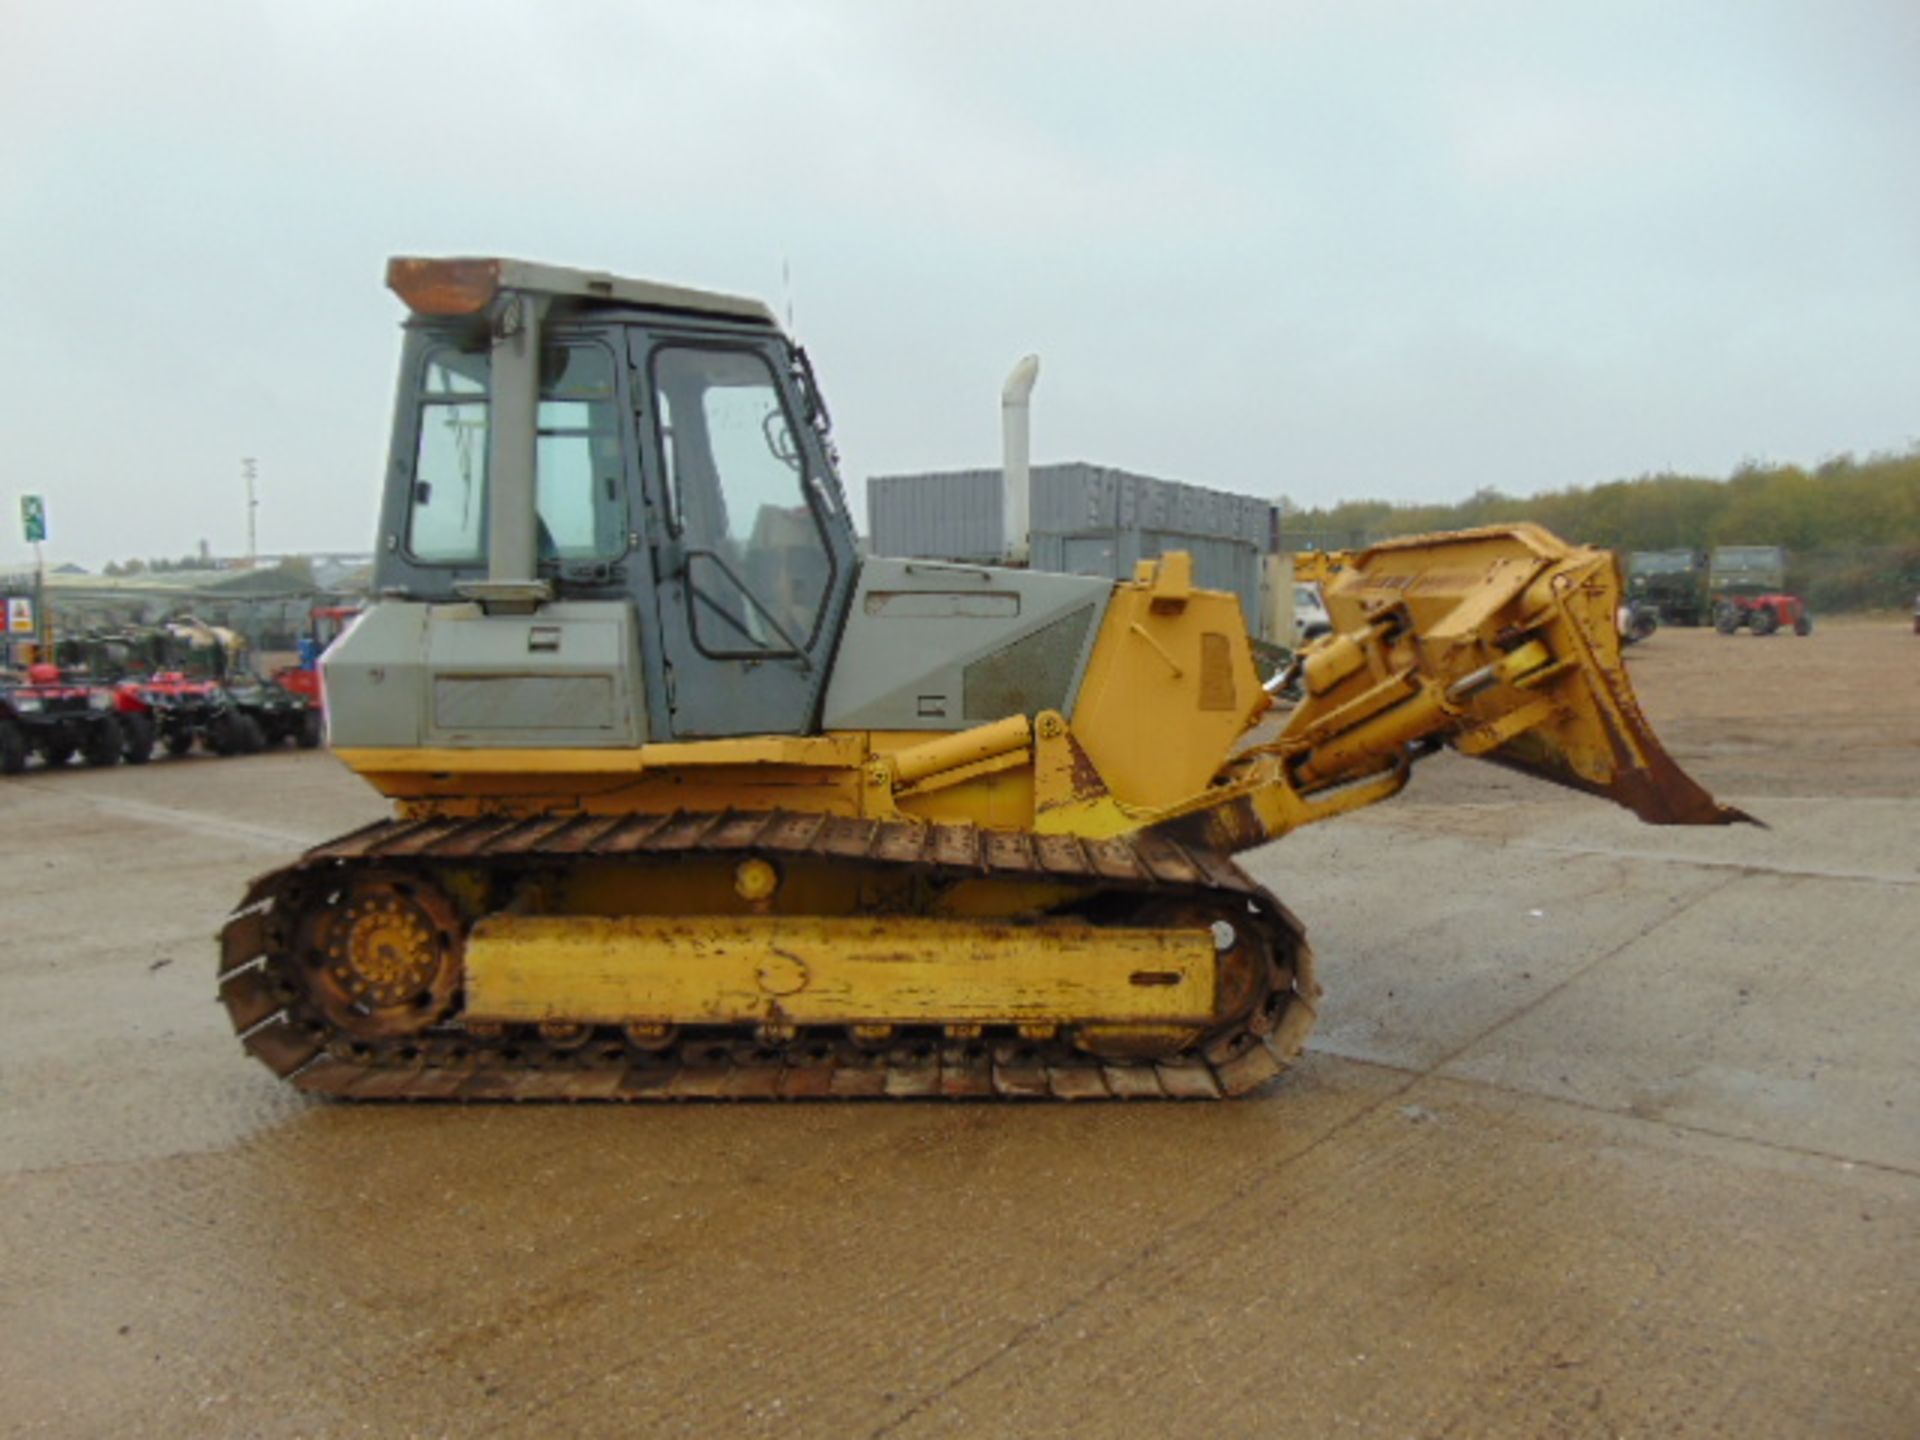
(1086, 520)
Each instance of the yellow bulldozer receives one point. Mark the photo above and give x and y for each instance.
(692, 800)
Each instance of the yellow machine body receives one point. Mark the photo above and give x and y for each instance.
(1033, 902)
(1499, 643)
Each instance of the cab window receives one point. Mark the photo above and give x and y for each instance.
(447, 524)
(580, 487)
(758, 567)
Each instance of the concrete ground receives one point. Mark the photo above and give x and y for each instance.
(1607, 1131)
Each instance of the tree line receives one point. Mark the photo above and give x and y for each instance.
(1851, 526)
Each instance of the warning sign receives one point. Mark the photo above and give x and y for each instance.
(19, 615)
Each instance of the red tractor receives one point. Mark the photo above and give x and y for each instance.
(1762, 614)
(1749, 587)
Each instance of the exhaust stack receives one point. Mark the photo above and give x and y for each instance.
(1015, 477)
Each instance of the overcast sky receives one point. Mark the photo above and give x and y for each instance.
(1329, 250)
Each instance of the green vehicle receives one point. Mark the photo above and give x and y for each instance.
(1673, 583)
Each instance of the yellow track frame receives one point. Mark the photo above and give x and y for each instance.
(732, 970)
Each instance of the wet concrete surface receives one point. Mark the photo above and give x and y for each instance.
(1606, 1131)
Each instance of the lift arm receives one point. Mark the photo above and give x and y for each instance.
(1499, 642)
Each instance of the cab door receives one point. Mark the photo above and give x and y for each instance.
(755, 564)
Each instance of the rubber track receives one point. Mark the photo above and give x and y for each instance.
(296, 1044)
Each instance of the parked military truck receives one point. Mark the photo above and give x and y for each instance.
(1673, 583)
(1749, 588)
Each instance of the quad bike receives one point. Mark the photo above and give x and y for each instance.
(204, 690)
(58, 717)
(692, 800)
(283, 716)
(258, 712)
(197, 709)
(115, 659)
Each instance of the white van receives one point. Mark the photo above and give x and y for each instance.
(1310, 618)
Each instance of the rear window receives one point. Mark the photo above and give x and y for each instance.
(579, 476)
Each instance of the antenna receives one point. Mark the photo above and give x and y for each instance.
(786, 287)
(248, 470)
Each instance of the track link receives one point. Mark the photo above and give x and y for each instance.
(450, 1063)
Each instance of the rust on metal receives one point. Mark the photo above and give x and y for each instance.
(250, 996)
(444, 287)
(281, 1046)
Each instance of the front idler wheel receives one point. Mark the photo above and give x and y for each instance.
(380, 958)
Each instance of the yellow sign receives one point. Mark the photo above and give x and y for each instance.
(19, 615)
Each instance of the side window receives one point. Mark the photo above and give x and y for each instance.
(758, 567)
(447, 522)
(581, 494)
(580, 490)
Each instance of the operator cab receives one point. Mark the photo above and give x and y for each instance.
(596, 481)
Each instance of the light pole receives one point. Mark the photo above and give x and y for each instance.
(248, 469)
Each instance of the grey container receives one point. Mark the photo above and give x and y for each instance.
(953, 515)
(1087, 520)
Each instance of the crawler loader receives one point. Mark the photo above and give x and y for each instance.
(692, 800)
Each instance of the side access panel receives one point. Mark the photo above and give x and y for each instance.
(447, 675)
(931, 646)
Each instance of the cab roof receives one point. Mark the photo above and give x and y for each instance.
(468, 285)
